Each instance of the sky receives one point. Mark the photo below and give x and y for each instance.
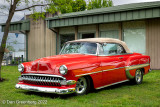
(19, 15)
(120, 2)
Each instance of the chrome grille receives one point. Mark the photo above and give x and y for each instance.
(47, 80)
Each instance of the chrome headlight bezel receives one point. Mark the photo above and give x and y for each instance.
(63, 69)
(20, 67)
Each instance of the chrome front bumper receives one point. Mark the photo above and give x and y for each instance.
(45, 90)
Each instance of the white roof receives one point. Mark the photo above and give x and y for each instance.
(104, 40)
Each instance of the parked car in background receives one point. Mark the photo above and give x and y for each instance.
(82, 65)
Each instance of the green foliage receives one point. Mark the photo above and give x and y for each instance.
(59, 5)
(10, 48)
(78, 5)
(99, 4)
(37, 15)
(15, 62)
(64, 6)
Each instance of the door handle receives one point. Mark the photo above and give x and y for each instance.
(120, 57)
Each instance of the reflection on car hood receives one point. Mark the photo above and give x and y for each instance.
(48, 64)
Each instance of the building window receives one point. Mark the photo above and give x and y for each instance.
(86, 35)
(66, 37)
(109, 34)
(135, 39)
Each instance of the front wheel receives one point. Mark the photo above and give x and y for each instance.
(138, 76)
(82, 86)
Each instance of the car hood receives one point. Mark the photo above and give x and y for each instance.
(50, 65)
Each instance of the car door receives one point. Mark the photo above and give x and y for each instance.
(112, 63)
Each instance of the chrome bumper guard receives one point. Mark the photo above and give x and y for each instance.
(45, 90)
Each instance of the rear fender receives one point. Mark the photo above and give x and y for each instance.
(136, 62)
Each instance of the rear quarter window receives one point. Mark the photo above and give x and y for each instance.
(112, 49)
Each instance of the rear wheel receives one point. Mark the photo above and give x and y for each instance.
(82, 86)
(138, 76)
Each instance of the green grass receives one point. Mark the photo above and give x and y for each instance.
(145, 95)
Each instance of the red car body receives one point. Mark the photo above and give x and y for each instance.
(101, 71)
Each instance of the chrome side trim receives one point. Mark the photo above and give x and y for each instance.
(88, 73)
(112, 84)
(128, 75)
(136, 66)
(113, 69)
(128, 68)
(99, 71)
(45, 89)
(116, 54)
(49, 75)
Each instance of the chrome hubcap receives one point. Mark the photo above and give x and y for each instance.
(81, 85)
(138, 76)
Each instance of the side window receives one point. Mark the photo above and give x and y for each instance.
(112, 49)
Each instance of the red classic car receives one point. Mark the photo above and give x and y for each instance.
(83, 65)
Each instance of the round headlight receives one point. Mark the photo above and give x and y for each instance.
(20, 67)
(63, 69)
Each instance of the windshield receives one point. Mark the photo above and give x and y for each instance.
(79, 48)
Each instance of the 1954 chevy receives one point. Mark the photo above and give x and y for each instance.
(83, 65)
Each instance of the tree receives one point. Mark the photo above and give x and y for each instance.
(64, 6)
(93, 4)
(78, 5)
(68, 6)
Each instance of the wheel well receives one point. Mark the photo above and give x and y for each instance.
(91, 81)
(143, 70)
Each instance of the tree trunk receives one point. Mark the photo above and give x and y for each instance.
(6, 31)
